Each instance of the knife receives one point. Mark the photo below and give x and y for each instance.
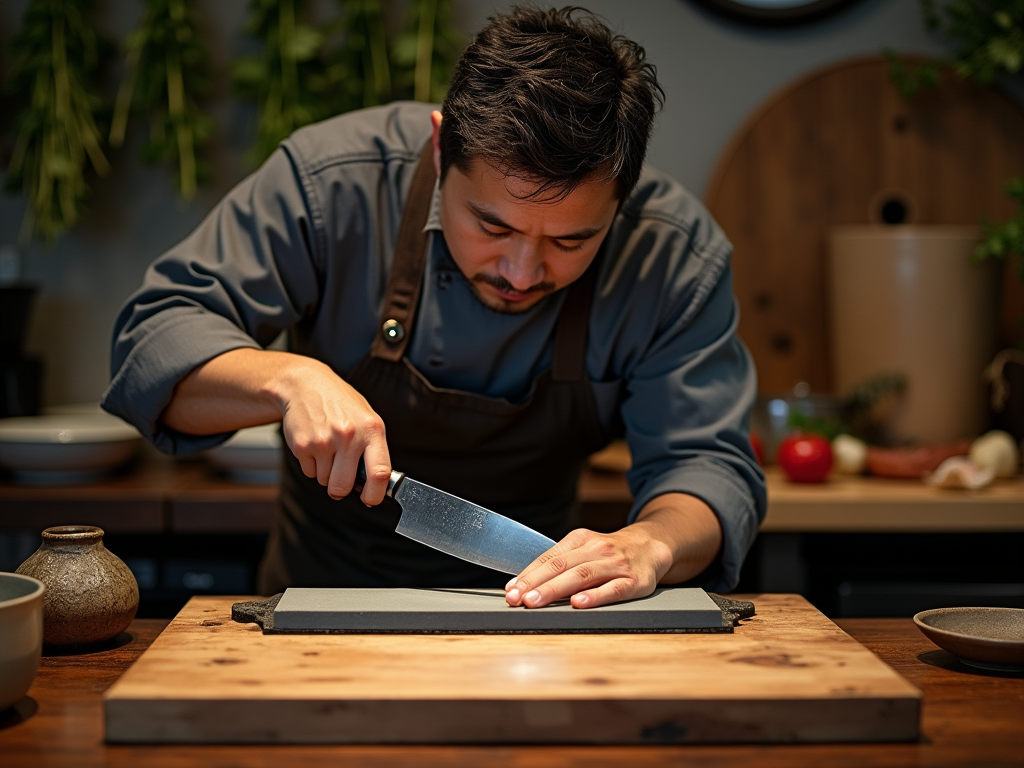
(461, 528)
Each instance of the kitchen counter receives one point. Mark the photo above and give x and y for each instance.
(163, 495)
(969, 718)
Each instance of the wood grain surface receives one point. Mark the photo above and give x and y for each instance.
(969, 718)
(885, 505)
(847, 503)
(788, 674)
(831, 149)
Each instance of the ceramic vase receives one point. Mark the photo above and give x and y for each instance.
(909, 299)
(91, 595)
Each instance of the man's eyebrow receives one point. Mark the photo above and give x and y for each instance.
(495, 220)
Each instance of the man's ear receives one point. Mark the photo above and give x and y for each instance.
(435, 121)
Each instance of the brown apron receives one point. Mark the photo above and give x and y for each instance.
(519, 459)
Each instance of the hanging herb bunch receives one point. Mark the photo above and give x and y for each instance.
(288, 80)
(426, 50)
(299, 77)
(166, 73)
(54, 58)
(360, 71)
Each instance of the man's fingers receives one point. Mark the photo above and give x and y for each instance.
(574, 551)
(308, 464)
(569, 542)
(324, 468)
(377, 462)
(614, 591)
(342, 476)
(583, 576)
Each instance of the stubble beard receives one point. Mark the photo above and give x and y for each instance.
(504, 306)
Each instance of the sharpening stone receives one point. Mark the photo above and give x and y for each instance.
(485, 610)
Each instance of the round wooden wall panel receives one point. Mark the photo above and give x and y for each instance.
(841, 146)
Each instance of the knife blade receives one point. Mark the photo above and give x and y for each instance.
(461, 528)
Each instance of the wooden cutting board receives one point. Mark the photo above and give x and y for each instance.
(834, 148)
(786, 675)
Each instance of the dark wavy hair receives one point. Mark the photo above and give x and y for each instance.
(552, 96)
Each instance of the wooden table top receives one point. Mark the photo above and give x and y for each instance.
(969, 718)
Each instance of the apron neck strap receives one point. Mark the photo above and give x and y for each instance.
(569, 363)
(407, 267)
(406, 279)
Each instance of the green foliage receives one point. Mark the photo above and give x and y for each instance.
(426, 50)
(288, 80)
(912, 79)
(165, 73)
(300, 77)
(986, 37)
(360, 72)
(817, 425)
(54, 57)
(859, 410)
(1003, 241)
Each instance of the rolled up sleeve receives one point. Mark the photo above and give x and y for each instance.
(245, 274)
(686, 419)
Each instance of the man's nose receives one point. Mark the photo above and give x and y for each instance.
(522, 265)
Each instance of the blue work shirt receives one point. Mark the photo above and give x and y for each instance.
(305, 245)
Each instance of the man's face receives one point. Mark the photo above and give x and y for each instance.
(516, 251)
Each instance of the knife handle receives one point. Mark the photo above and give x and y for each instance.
(395, 479)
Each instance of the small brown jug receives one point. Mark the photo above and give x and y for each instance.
(91, 595)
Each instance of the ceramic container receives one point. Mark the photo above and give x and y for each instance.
(21, 635)
(989, 638)
(91, 595)
(251, 455)
(63, 448)
(909, 299)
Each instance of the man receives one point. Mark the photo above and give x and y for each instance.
(483, 335)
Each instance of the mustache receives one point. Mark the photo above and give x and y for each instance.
(499, 282)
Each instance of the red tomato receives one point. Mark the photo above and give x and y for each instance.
(758, 446)
(805, 457)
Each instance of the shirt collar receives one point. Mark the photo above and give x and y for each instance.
(434, 217)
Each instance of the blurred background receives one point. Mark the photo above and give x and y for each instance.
(789, 128)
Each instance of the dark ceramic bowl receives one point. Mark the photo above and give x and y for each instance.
(989, 638)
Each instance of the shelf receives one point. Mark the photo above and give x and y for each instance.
(164, 495)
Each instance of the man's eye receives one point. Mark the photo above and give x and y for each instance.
(568, 248)
(489, 233)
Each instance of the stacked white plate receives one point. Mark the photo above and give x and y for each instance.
(69, 444)
(251, 455)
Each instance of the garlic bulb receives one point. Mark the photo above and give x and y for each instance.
(997, 450)
(961, 472)
(850, 454)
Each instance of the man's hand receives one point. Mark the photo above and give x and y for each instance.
(674, 538)
(327, 424)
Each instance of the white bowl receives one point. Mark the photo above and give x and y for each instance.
(251, 455)
(21, 635)
(57, 449)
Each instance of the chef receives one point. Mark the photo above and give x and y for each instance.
(479, 296)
